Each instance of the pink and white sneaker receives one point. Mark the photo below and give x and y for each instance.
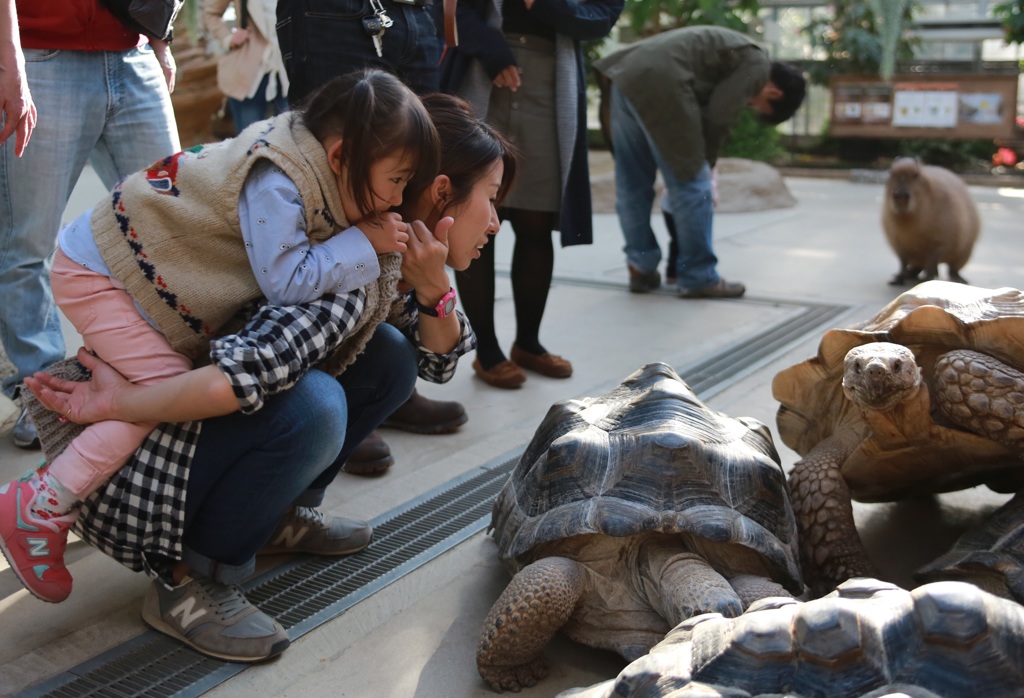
(34, 547)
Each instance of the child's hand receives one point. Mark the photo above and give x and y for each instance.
(387, 232)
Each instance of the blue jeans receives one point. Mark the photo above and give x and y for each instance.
(245, 112)
(637, 162)
(321, 39)
(110, 107)
(249, 469)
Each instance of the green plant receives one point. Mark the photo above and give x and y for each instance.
(649, 17)
(954, 155)
(751, 139)
(852, 37)
(1011, 16)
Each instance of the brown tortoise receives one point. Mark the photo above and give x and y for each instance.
(925, 397)
(628, 513)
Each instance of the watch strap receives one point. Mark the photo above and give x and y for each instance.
(444, 307)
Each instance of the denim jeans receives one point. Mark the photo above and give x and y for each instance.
(248, 469)
(245, 112)
(110, 107)
(637, 162)
(321, 39)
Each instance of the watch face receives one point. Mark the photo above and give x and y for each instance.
(449, 306)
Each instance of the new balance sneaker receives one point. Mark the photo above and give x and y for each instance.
(308, 530)
(34, 547)
(214, 619)
(24, 433)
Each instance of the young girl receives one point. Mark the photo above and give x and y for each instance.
(293, 208)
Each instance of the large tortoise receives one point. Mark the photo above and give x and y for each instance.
(990, 556)
(924, 397)
(865, 640)
(629, 513)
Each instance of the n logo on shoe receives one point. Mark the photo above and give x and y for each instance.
(37, 547)
(289, 537)
(184, 609)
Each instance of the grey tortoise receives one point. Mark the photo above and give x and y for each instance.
(628, 513)
(866, 639)
(990, 555)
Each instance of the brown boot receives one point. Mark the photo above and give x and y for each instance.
(422, 415)
(371, 457)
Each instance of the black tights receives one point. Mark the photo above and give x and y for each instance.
(533, 262)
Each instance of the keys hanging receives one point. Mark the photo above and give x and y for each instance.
(378, 11)
(375, 30)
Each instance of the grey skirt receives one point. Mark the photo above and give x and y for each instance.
(527, 118)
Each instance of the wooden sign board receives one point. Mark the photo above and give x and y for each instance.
(924, 106)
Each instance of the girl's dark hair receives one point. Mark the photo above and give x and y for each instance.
(469, 148)
(375, 115)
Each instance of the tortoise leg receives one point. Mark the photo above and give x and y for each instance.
(982, 394)
(536, 603)
(751, 588)
(830, 548)
(680, 584)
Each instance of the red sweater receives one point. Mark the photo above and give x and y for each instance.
(78, 25)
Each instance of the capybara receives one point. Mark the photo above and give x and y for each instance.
(929, 219)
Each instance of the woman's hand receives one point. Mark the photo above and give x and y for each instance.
(162, 51)
(81, 402)
(197, 394)
(238, 37)
(508, 77)
(423, 261)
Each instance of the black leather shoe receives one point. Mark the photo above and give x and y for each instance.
(24, 432)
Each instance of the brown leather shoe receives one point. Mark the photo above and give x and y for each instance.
(505, 375)
(421, 415)
(371, 457)
(643, 281)
(546, 364)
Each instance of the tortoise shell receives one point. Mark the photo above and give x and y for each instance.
(649, 457)
(930, 319)
(867, 638)
(990, 555)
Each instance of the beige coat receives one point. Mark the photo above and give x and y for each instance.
(240, 70)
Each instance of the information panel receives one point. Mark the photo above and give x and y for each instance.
(961, 106)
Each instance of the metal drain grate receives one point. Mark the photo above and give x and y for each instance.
(718, 372)
(307, 593)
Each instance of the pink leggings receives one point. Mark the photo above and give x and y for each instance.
(111, 326)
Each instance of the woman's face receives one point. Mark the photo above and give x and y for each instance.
(476, 219)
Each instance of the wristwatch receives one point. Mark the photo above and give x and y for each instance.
(444, 307)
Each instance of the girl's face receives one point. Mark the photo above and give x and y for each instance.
(388, 177)
(476, 219)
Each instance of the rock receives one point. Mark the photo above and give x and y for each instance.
(748, 185)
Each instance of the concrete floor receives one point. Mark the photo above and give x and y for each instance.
(417, 637)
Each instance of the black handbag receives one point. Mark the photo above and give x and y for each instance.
(154, 18)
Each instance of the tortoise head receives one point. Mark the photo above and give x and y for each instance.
(880, 375)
